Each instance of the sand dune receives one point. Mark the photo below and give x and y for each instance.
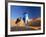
(21, 23)
(33, 24)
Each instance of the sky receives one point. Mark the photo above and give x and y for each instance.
(18, 11)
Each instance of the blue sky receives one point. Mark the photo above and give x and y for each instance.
(17, 11)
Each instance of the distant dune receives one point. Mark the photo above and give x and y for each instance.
(13, 23)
